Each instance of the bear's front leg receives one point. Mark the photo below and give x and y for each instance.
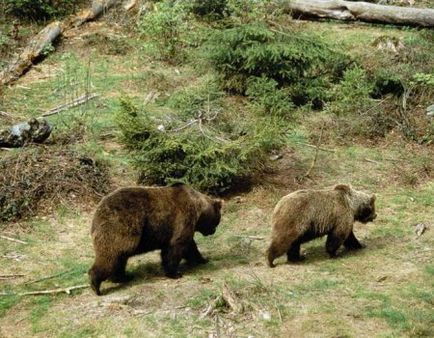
(193, 256)
(351, 243)
(171, 257)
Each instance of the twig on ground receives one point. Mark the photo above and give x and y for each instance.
(82, 99)
(130, 4)
(12, 276)
(258, 238)
(6, 149)
(230, 298)
(316, 147)
(371, 161)
(12, 239)
(49, 277)
(54, 291)
(6, 114)
(307, 174)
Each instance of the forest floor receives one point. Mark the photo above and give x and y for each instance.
(384, 290)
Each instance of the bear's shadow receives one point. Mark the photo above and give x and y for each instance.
(317, 252)
(152, 271)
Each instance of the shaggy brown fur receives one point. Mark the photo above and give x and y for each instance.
(307, 214)
(135, 220)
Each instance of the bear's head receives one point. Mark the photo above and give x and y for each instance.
(363, 204)
(209, 217)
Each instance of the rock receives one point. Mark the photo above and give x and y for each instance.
(33, 131)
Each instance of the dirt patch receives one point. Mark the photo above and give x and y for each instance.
(37, 178)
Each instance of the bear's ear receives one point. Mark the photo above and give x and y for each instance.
(343, 187)
(373, 198)
(218, 203)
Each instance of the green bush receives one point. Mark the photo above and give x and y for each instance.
(210, 154)
(302, 63)
(40, 9)
(164, 27)
(352, 94)
(209, 8)
(267, 98)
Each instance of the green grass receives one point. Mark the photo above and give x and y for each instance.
(7, 302)
(40, 306)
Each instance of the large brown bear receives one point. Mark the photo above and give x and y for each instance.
(307, 214)
(134, 220)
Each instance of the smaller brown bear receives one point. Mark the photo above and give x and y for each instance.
(307, 214)
(135, 220)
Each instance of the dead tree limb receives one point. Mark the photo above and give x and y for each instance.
(5, 277)
(49, 277)
(12, 239)
(307, 174)
(54, 291)
(34, 49)
(80, 100)
(363, 11)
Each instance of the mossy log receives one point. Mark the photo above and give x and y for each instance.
(363, 11)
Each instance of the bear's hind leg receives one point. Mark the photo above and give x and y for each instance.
(351, 243)
(293, 253)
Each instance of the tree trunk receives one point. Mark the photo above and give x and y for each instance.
(364, 11)
(34, 49)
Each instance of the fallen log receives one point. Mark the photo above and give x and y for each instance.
(34, 49)
(40, 44)
(98, 8)
(363, 11)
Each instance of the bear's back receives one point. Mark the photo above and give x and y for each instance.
(135, 207)
(307, 202)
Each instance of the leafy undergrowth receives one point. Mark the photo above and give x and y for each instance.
(384, 290)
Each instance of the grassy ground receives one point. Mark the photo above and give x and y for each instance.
(385, 290)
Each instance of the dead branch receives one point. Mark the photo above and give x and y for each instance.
(307, 174)
(258, 238)
(371, 161)
(363, 11)
(231, 299)
(48, 277)
(11, 276)
(12, 239)
(54, 291)
(316, 147)
(6, 115)
(130, 4)
(82, 99)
